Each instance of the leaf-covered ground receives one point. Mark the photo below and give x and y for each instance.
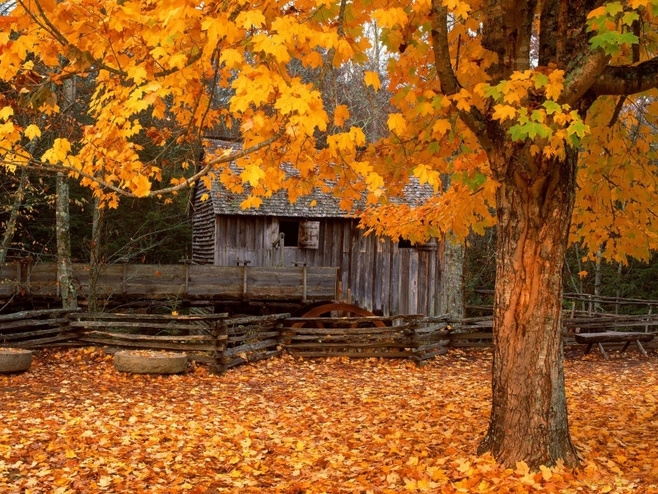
(74, 424)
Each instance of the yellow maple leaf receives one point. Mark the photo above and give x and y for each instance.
(138, 74)
(32, 131)
(395, 16)
(250, 18)
(396, 122)
(441, 126)
(459, 9)
(503, 112)
(141, 186)
(6, 112)
(251, 202)
(372, 79)
(341, 113)
(231, 58)
(252, 174)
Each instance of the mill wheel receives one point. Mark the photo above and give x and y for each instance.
(345, 310)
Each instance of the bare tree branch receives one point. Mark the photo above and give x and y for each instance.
(627, 80)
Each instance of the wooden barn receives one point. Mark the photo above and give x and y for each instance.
(384, 276)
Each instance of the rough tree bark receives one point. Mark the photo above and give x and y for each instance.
(529, 412)
(64, 264)
(95, 256)
(452, 279)
(65, 280)
(10, 227)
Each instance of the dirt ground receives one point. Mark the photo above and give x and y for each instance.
(73, 424)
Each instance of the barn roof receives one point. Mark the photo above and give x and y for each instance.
(326, 205)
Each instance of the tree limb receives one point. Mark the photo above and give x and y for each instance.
(627, 80)
(581, 78)
(447, 78)
(189, 182)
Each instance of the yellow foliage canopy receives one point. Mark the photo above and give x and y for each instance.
(259, 69)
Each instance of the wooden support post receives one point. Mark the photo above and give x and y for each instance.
(605, 355)
(646, 328)
(244, 277)
(304, 285)
(639, 345)
(220, 335)
(123, 279)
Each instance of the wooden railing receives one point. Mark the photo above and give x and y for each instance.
(178, 281)
(225, 342)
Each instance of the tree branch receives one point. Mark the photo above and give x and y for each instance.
(581, 78)
(627, 80)
(447, 78)
(189, 182)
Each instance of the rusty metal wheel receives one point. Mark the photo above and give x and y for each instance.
(346, 310)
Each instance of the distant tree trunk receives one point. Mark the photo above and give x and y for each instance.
(95, 256)
(529, 412)
(598, 279)
(452, 279)
(63, 234)
(10, 227)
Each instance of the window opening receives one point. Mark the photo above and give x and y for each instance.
(404, 243)
(291, 231)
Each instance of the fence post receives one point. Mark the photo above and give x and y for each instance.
(220, 335)
(646, 328)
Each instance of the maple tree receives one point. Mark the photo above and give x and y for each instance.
(74, 424)
(535, 111)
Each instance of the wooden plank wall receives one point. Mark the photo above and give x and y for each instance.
(374, 273)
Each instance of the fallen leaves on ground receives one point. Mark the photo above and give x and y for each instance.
(73, 424)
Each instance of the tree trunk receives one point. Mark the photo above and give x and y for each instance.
(95, 257)
(10, 227)
(529, 411)
(62, 228)
(452, 279)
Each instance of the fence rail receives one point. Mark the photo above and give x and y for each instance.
(225, 342)
(165, 281)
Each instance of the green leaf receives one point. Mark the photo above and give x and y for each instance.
(614, 8)
(433, 147)
(611, 41)
(551, 107)
(578, 128)
(493, 92)
(541, 80)
(630, 17)
(518, 132)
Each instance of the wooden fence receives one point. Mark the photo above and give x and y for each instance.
(225, 342)
(364, 337)
(477, 331)
(178, 281)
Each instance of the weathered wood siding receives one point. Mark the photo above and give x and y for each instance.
(374, 273)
